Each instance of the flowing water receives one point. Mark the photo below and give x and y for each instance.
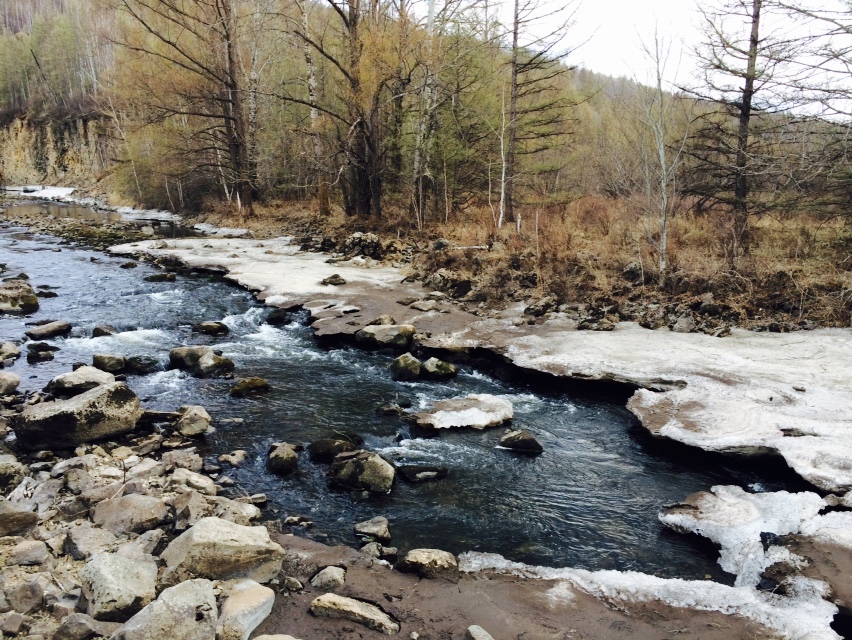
(590, 500)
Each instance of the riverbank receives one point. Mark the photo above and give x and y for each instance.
(372, 289)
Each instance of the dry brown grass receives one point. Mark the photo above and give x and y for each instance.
(797, 267)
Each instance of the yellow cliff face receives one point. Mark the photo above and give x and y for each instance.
(73, 152)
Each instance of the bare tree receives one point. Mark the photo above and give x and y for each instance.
(199, 38)
(659, 116)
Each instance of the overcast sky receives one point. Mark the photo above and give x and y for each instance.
(615, 29)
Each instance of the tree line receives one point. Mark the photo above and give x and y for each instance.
(429, 108)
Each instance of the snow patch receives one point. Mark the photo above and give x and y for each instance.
(477, 410)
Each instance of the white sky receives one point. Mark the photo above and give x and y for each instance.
(613, 28)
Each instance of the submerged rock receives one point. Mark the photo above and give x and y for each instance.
(415, 473)
(521, 441)
(249, 387)
(405, 367)
(362, 470)
(325, 450)
(17, 296)
(478, 411)
(107, 410)
(331, 605)
(431, 563)
(142, 365)
(211, 328)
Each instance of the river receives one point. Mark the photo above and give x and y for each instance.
(589, 501)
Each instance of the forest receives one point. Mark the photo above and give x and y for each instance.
(466, 120)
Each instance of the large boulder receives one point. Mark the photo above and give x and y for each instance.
(397, 336)
(76, 382)
(107, 410)
(134, 513)
(201, 361)
(477, 410)
(362, 470)
(405, 367)
(282, 458)
(17, 296)
(331, 605)
(184, 612)
(15, 521)
(431, 563)
(9, 383)
(116, 587)
(220, 550)
(246, 605)
(49, 330)
(194, 420)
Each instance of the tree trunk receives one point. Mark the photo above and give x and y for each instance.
(319, 171)
(739, 240)
(513, 124)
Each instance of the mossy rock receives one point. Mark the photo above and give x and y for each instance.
(249, 387)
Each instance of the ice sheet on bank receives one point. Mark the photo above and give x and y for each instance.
(734, 519)
(804, 616)
(38, 191)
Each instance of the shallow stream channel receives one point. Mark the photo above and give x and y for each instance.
(589, 501)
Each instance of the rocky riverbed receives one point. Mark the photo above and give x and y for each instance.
(115, 528)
